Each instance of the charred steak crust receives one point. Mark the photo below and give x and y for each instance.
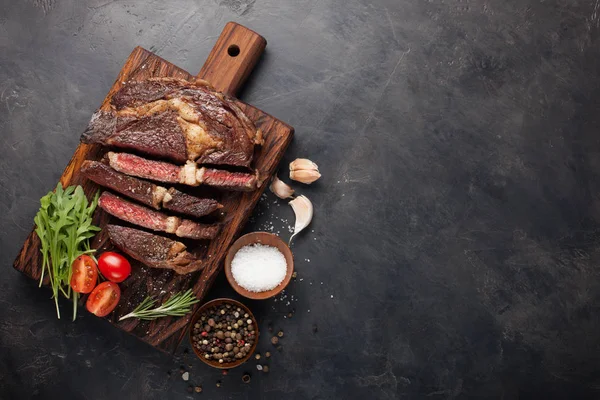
(137, 189)
(177, 201)
(153, 250)
(176, 119)
(158, 135)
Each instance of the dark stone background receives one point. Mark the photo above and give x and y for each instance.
(456, 223)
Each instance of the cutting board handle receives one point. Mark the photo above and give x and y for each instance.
(232, 58)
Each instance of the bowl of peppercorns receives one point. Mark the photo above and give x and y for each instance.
(223, 333)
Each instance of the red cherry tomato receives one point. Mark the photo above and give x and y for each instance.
(114, 266)
(84, 274)
(103, 299)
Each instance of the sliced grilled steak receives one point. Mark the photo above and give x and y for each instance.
(189, 174)
(153, 250)
(175, 200)
(143, 216)
(148, 193)
(176, 119)
(239, 181)
(142, 191)
(143, 168)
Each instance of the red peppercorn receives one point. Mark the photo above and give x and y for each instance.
(225, 372)
(241, 342)
(204, 333)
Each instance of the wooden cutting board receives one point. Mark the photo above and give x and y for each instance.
(230, 62)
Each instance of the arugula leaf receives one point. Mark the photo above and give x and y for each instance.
(64, 226)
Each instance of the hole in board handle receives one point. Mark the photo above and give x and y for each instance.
(233, 50)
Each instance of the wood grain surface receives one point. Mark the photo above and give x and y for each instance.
(227, 73)
(233, 57)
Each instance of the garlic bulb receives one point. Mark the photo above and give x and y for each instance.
(303, 209)
(304, 170)
(280, 188)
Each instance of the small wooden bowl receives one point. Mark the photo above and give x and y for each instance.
(267, 239)
(218, 302)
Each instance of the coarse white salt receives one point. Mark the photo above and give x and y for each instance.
(258, 267)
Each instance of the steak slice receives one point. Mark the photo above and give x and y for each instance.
(189, 174)
(227, 180)
(145, 192)
(153, 250)
(176, 119)
(147, 218)
(143, 168)
(148, 193)
(177, 201)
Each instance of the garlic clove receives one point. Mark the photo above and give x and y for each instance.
(303, 163)
(303, 209)
(303, 170)
(305, 176)
(280, 188)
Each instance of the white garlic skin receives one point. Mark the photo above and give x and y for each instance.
(280, 188)
(303, 209)
(304, 170)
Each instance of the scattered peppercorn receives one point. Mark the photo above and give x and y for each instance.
(290, 315)
(259, 367)
(268, 354)
(257, 356)
(246, 378)
(294, 275)
(225, 372)
(280, 333)
(198, 389)
(274, 340)
(218, 383)
(190, 389)
(265, 368)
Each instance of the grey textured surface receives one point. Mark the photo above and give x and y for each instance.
(456, 223)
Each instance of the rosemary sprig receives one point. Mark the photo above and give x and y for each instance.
(177, 306)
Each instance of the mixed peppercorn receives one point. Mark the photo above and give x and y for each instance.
(224, 333)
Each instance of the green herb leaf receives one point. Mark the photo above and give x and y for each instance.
(64, 226)
(178, 305)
